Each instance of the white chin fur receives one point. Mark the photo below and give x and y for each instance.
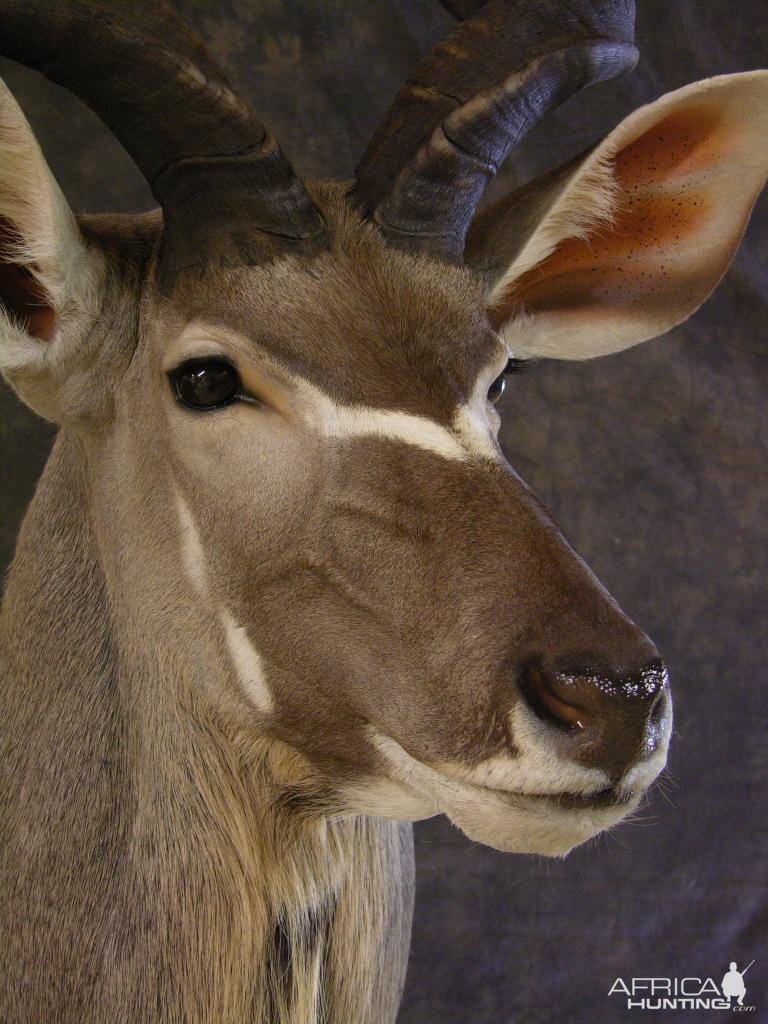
(525, 825)
(505, 821)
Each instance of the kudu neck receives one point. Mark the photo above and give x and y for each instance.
(164, 820)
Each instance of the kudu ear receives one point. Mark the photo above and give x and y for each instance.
(622, 244)
(49, 276)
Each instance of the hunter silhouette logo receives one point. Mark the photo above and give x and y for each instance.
(688, 993)
(733, 983)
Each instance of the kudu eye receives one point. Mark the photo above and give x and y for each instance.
(206, 383)
(496, 390)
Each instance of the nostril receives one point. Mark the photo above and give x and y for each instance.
(608, 718)
(539, 688)
(586, 699)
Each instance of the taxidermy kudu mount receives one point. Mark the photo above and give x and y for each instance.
(278, 592)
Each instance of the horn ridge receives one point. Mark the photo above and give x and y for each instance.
(471, 100)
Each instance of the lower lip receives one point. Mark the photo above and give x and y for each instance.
(581, 802)
(607, 798)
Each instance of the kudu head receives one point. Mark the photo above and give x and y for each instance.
(283, 398)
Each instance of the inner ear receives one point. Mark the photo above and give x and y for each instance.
(21, 294)
(668, 193)
(659, 206)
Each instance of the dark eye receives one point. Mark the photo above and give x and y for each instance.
(206, 383)
(496, 390)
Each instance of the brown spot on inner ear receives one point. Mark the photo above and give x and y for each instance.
(648, 234)
(664, 206)
(686, 141)
(21, 294)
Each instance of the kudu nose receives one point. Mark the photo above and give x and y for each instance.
(607, 720)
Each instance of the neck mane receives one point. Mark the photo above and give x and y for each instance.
(158, 866)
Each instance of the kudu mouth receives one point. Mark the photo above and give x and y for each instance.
(498, 802)
(550, 824)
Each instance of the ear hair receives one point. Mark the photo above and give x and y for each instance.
(23, 296)
(52, 281)
(578, 212)
(626, 242)
(42, 227)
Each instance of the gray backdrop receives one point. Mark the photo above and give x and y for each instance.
(654, 462)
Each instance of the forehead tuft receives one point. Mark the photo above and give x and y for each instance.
(364, 321)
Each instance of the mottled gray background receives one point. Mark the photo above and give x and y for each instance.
(654, 461)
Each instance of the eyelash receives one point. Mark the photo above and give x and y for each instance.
(496, 390)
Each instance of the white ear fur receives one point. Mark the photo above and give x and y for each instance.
(45, 240)
(633, 238)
